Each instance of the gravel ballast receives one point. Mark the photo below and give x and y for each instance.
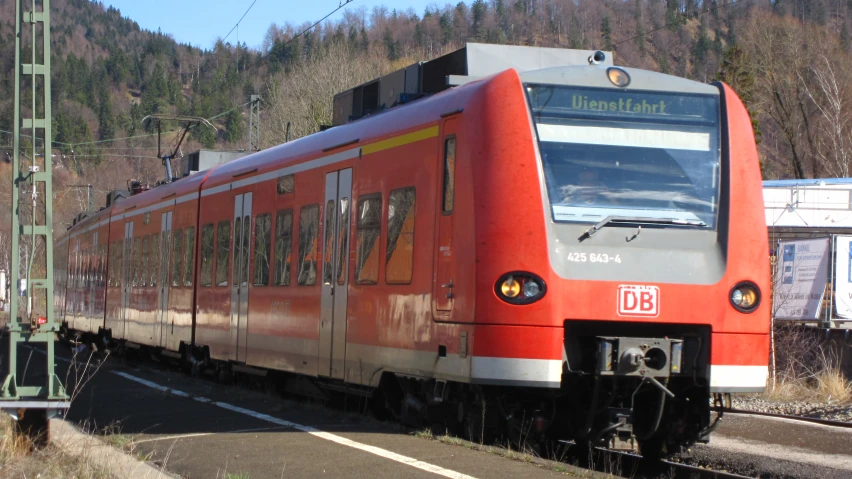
(832, 412)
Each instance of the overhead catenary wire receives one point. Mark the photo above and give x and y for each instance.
(238, 22)
(263, 60)
(147, 135)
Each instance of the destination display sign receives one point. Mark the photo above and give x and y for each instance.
(571, 101)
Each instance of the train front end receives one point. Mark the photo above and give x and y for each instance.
(622, 266)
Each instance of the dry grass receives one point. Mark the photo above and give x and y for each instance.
(808, 368)
(16, 460)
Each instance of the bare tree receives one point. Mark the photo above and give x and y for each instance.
(303, 98)
(833, 145)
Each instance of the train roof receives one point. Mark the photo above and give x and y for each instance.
(352, 135)
(176, 189)
(88, 223)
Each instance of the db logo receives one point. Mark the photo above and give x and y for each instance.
(635, 300)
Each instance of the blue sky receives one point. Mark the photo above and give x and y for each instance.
(201, 22)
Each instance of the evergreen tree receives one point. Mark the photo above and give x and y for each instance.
(234, 127)
(738, 71)
(640, 29)
(606, 34)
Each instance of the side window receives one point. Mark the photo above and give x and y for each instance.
(154, 261)
(111, 267)
(342, 240)
(286, 184)
(189, 257)
(206, 278)
(238, 251)
(177, 258)
(262, 243)
(137, 261)
(308, 225)
(449, 174)
(369, 230)
(400, 252)
(146, 261)
(283, 246)
(119, 262)
(328, 251)
(244, 251)
(223, 252)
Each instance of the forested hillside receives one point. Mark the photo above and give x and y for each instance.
(787, 58)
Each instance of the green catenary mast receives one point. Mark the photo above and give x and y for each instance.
(32, 319)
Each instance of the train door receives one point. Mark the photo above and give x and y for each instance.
(93, 283)
(163, 283)
(239, 283)
(335, 277)
(126, 276)
(442, 287)
(75, 283)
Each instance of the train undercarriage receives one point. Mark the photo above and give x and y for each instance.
(639, 394)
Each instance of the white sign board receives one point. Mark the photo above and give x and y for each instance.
(800, 279)
(843, 277)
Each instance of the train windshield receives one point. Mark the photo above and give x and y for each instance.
(623, 153)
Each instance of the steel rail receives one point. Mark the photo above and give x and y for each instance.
(635, 464)
(814, 420)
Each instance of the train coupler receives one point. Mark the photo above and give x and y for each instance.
(641, 357)
(621, 437)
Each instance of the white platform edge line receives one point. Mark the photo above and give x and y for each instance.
(384, 453)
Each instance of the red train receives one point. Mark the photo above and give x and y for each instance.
(573, 252)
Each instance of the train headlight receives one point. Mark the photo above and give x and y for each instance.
(618, 77)
(510, 287)
(745, 297)
(520, 287)
(531, 289)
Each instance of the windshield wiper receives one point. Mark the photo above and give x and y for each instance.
(638, 219)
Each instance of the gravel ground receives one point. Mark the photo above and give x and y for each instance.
(833, 412)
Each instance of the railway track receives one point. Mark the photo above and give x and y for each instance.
(618, 464)
(635, 467)
(814, 420)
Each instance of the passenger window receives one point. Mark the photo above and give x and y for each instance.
(369, 230)
(111, 267)
(286, 184)
(244, 259)
(262, 243)
(238, 250)
(308, 225)
(449, 174)
(137, 261)
(146, 255)
(283, 247)
(328, 252)
(177, 258)
(206, 279)
(342, 240)
(189, 257)
(400, 252)
(119, 259)
(223, 250)
(155, 258)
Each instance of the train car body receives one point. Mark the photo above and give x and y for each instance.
(81, 261)
(577, 250)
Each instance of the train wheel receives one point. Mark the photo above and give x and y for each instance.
(653, 449)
